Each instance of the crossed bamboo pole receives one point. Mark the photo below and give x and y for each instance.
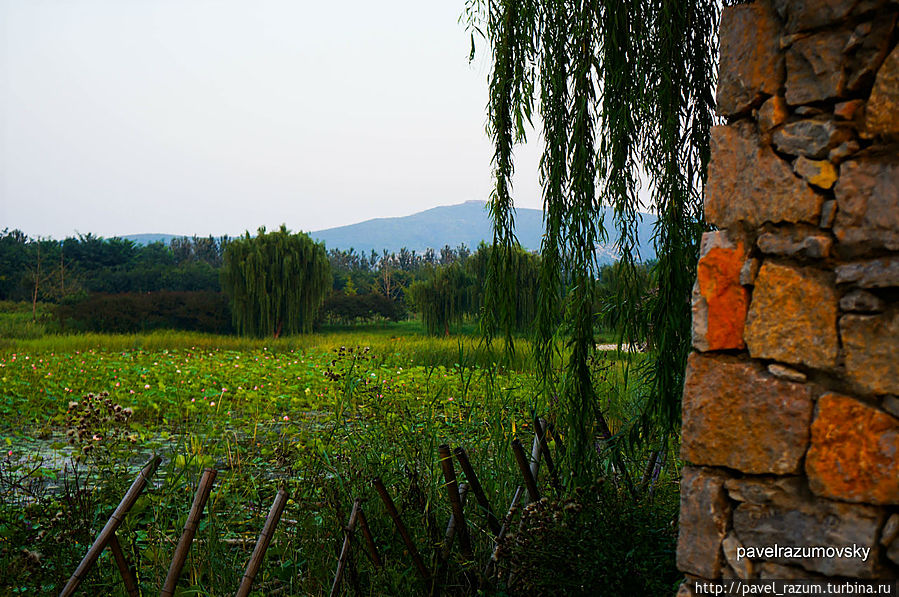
(190, 529)
(265, 538)
(107, 536)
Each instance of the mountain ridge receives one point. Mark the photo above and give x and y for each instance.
(462, 223)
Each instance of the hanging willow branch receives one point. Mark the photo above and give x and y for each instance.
(625, 88)
(277, 281)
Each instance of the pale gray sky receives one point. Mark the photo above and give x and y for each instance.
(217, 116)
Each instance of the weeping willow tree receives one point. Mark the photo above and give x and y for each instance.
(525, 267)
(624, 90)
(443, 298)
(277, 281)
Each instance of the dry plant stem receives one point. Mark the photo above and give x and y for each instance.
(525, 468)
(533, 469)
(475, 484)
(452, 488)
(265, 538)
(109, 530)
(647, 471)
(190, 529)
(519, 492)
(369, 540)
(401, 528)
(540, 427)
(452, 527)
(124, 569)
(345, 550)
(350, 570)
(660, 463)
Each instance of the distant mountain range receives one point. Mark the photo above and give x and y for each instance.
(451, 225)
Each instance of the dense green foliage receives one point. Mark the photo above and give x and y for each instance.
(595, 542)
(139, 312)
(443, 299)
(622, 87)
(352, 309)
(277, 282)
(446, 295)
(67, 273)
(522, 294)
(50, 270)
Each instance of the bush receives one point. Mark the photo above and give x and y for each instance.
(598, 541)
(136, 312)
(356, 308)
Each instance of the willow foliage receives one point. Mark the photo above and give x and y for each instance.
(523, 289)
(277, 281)
(624, 90)
(450, 292)
(443, 298)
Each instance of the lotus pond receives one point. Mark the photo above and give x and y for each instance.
(320, 420)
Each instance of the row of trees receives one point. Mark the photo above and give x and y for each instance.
(51, 270)
(450, 293)
(89, 264)
(278, 282)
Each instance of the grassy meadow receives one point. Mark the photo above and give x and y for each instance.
(319, 415)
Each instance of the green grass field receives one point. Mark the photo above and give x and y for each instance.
(320, 415)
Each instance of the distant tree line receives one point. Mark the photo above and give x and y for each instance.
(117, 285)
(53, 271)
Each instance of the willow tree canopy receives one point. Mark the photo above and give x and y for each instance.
(625, 92)
(277, 281)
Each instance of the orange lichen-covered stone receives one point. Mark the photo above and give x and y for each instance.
(854, 454)
(737, 416)
(751, 65)
(724, 299)
(793, 316)
(774, 112)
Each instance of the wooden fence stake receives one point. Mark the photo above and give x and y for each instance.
(475, 484)
(369, 540)
(453, 526)
(265, 538)
(190, 529)
(109, 530)
(507, 521)
(345, 551)
(124, 569)
(452, 488)
(525, 467)
(401, 528)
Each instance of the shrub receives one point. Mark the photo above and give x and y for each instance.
(356, 308)
(136, 312)
(598, 541)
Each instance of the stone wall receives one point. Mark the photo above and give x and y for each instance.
(791, 415)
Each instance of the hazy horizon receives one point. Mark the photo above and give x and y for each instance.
(216, 118)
